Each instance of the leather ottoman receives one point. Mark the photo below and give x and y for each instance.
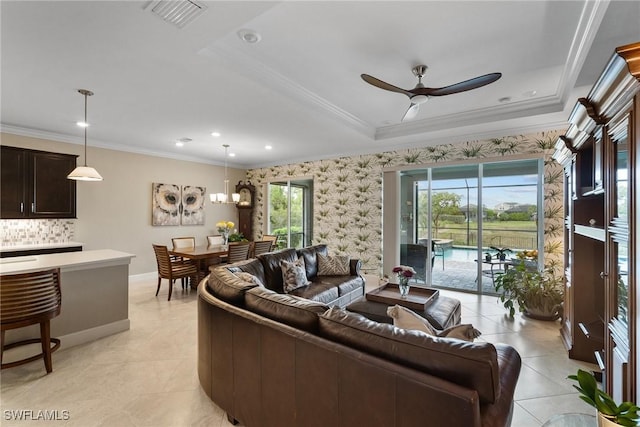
(442, 313)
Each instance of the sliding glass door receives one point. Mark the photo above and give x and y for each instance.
(467, 216)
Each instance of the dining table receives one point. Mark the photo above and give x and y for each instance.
(198, 254)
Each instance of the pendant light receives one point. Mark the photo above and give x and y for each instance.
(85, 173)
(224, 197)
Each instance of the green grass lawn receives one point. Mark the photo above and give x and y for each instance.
(511, 234)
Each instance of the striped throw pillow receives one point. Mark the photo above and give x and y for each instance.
(337, 265)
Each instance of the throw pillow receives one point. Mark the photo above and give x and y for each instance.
(294, 275)
(407, 319)
(337, 265)
(249, 278)
(462, 332)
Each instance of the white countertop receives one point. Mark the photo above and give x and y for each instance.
(67, 261)
(13, 248)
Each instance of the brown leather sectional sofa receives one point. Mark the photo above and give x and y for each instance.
(273, 359)
(330, 290)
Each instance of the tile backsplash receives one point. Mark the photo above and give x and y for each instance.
(36, 231)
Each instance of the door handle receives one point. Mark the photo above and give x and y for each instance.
(602, 275)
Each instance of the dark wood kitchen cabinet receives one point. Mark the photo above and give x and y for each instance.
(34, 184)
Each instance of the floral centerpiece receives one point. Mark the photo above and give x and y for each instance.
(404, 273)
(224, 228)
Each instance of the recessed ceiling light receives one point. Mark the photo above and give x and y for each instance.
(232, 154)
(249, 36)
(179, 144)
(504, 99)
(268, 147)
(82, 124)
(215, 134)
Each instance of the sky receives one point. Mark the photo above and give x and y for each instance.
(519, 189)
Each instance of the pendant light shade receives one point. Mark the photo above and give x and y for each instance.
(85, 173)
(225, 197)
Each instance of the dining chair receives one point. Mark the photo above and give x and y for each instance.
(238, 251)
(215, 240)
(183, 242)
(30, 299)
(272, 238)
(171, 270)
(261, 247)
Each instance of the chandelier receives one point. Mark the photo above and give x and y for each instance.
(225, 197)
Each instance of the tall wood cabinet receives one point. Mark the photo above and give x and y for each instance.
(34, 184)
(601, 153)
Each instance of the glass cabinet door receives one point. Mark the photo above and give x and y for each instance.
(618, 260)
(620, 222)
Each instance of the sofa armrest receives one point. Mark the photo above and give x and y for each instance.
(354, 267)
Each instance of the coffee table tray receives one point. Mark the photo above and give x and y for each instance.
(417, 299)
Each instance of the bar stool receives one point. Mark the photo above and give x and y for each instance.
(30, 299)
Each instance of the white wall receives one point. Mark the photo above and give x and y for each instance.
(116, 213)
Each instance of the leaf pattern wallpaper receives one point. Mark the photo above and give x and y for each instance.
(348, 191)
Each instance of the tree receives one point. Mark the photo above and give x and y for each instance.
(443, 203)
(277, 206)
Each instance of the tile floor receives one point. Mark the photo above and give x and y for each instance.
(147, 376)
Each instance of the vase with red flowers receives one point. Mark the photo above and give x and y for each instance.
(404, 273)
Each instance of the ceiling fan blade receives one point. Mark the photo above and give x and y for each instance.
(383, 85)
(466, 85)
(411, 113)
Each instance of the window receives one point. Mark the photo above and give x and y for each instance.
(291, 212)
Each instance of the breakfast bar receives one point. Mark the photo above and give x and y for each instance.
(95, 293)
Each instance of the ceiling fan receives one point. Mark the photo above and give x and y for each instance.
(420, 94)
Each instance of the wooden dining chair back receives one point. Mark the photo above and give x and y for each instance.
(30, 299)
(216, 240)
(183, 242)
(238, 251)
(171, 270)
(261, 247)
(273, 238)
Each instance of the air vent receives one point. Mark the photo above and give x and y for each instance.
(178, 12)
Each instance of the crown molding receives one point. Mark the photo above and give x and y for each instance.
(70, 139)
(248, 65)
(590, 19)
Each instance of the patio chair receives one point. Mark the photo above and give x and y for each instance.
(415, 256)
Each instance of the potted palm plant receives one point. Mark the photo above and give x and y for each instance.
(501, 252)
(609, 412)
(537, 294)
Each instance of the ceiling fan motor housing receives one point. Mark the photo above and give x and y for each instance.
(419, 70)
